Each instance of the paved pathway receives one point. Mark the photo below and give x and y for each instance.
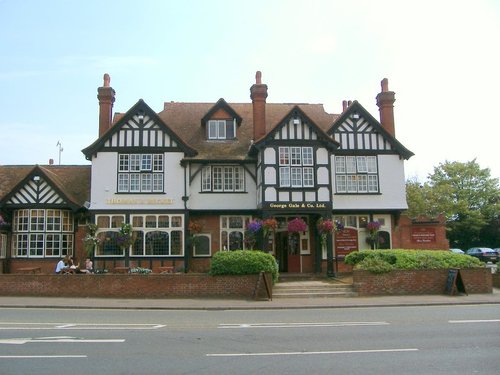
(235, 304)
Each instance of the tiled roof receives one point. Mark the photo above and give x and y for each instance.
(185, 120)
(72, 180)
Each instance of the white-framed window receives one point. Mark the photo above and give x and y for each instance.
(356, 174)
(232, 232)
(108, 227)
(295, 167)
(225, 178)
(202, 245)
(39, 233)
(140, 173)
(157, 235)
(3, 246)
(221, 129)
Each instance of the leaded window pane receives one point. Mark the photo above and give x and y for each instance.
(146, 162)
(217, 178)
(341, 181)
(157, 243)
(308, 179)
(340, 164)
(228, 179)
(296, 155)
(284, 156)
(284, 176)
(307, 156)
(351, 164)
(352, 186)
(296, 176)
(176, 242)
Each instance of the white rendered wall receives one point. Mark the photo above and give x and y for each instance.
(224, 200)
(104, 194)
(392, 188)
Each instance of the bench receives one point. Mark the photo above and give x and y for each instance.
(121, 270)
(169, 269)
(29, 270)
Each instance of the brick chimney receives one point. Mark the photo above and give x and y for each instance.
(385, 103)
(106, 97)
(258, 94)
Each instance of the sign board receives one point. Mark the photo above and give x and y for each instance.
(423, 235)
(454, 282)
(346, 241)
(301, 206)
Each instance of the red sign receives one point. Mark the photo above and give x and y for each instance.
(423, 235)
(346, 241)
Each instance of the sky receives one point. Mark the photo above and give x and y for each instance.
(441, 58)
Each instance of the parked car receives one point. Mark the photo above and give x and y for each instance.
(457, 251)
(484, 254)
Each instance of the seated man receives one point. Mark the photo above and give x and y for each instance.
(63, 264)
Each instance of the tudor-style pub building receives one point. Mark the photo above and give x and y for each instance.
(189, 179)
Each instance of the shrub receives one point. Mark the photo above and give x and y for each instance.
(379, 261)
(140, 270)
(243, 262)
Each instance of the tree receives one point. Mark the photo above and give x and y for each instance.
(468, 197)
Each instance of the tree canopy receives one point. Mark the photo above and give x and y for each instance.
(468, 197)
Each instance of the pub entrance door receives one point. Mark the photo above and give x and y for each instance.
(288, 252)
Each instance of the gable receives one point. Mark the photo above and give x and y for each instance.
(221, 110)
(139, 127)
(297, 126)
(63, 186)
(357, 130)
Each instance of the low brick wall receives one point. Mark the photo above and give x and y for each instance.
(496, 280)
(132, 286)
(418, 282)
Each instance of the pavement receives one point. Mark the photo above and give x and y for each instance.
(241, 304)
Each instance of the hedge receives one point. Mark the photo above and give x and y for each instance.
(243, 262)
(381, 261)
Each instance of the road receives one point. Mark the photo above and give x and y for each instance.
(393, 340)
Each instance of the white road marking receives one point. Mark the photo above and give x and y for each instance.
(80, 326)
(60, 339)
(312, 353)
(474, 321)
(300, 325)
(40, 356)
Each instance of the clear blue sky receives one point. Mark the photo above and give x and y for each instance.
(441, 58)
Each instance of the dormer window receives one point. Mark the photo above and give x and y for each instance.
(221, 129)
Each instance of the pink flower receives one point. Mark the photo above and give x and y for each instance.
(297, 225)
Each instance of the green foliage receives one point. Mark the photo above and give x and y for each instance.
(380, 261)
(140, 270)
(243, 262)
(468, 197)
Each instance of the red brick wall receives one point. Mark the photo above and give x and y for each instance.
(131, 286)
(403, 239)
(419, 282)
(496, 280)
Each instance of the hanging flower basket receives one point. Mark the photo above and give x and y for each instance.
(373, 227)
(269, 225)
(328, 226)
(297, 225)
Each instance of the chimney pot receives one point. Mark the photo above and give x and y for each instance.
(385, 85)
(344, 105)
